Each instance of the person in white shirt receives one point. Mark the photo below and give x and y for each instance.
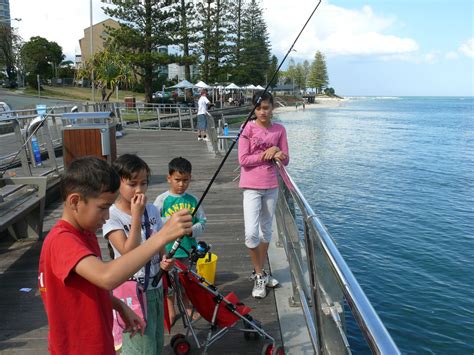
(203, 105)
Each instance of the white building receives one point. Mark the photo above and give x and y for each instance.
(5, 11)
(176, 71)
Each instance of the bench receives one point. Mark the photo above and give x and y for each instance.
(22, 206)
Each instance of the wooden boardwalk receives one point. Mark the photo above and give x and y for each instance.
(23, 325)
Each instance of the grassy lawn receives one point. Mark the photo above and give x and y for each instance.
(78, 93)
(132, 115)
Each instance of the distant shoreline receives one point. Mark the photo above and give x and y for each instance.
(321, 102)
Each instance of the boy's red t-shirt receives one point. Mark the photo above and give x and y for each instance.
(79, 313)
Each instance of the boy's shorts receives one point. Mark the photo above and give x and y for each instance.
(201, 122)
(152, 341)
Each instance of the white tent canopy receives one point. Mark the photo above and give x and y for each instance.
(232, 86)
(258, 87)
(183, 85)
(202, 85)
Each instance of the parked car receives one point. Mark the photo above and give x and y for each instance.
(10, 84)
(4, 110)
(160, 95)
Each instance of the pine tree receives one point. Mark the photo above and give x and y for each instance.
(291, 74)
(215, 23)
(272, 70)
(205, 14)
(235, 36)
(187, 37)
(300, 80)
(255, 57)
(220, 34)
(318, 77)
(306, 71)
(145, 26)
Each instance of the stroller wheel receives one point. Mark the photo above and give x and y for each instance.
(272, 349)
(278, 350)
(181, 346)
(176, 337)
(268, 349)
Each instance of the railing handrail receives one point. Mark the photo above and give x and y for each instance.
(369, 322)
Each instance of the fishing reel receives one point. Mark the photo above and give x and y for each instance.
(199, 251)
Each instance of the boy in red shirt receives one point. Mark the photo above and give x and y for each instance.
(74, 282)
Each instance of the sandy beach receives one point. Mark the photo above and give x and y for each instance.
(321, 102)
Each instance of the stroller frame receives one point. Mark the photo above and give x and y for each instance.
(251, 326)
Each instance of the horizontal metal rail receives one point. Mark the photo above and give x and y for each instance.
(325, 280)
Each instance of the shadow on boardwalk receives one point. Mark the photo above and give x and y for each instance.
(24, 327)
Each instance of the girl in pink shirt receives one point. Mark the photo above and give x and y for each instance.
(260, 143)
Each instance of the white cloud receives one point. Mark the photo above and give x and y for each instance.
(56, 20)
(431, 57)
(333, 30)
(451, 55)
(467, 48)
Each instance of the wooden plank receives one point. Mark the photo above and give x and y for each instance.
(224, 231)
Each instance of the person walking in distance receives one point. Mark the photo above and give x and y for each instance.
(203, 105)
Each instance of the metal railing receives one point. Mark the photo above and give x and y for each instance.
(322, 281)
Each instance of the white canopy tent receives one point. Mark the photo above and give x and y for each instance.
(232, 86)
(184, 84)
(259, 87)
(202, 85)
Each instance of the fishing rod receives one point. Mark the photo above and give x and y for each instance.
(177, 243)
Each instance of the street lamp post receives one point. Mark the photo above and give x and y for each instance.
(92, 53)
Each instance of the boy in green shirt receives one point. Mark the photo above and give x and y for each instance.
(176, 199)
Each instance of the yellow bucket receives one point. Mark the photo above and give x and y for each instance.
(206, 267)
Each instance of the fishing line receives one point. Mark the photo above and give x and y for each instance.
(177, 243)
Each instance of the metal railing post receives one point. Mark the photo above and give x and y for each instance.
(49, 145)
(138, 116)
(23, 153)
(159, 118)
(191, 118)
(180, 120)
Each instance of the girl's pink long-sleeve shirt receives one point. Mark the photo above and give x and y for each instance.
(256, 173)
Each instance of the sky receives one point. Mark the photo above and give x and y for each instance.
(372, 47)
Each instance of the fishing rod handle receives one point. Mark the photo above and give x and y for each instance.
(171, 253)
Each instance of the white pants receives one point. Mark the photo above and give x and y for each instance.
(259, 209)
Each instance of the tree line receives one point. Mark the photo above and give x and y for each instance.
(305, 75)
(227, 39)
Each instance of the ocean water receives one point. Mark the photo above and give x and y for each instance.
(392, 178)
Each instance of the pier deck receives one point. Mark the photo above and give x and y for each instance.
(24, 327)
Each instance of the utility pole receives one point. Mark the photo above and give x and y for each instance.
(92, 53)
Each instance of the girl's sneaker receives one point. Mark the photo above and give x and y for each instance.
(259, 289)
(271, 281)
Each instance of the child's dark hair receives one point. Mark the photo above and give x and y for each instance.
(181, 165)
(128, 165)
(266, 96)
(89, 176)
